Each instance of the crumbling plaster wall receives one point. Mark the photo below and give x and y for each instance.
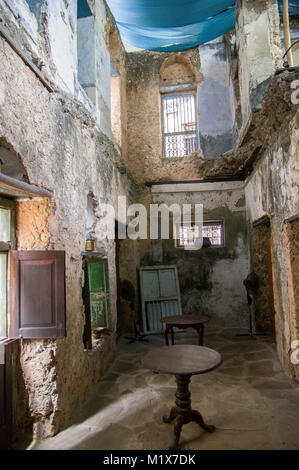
(128, 288)
(291, 243)
(259, 50)
(205, 286)
(272, 189)
(217, 131)
(211, 65)
(260, 237)
(64, 149)
(102, 65)
(118, 89)
(49, 35)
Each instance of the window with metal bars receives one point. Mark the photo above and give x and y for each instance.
(213, 230)
(179, 121)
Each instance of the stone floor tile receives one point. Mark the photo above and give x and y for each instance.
(248, 398)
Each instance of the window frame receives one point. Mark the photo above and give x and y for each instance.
(217, 222)
(178, 93)
(205, 223)
(5, 248)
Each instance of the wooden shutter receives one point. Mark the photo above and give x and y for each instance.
(37, 285)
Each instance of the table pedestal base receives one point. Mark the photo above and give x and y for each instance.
(182, 413)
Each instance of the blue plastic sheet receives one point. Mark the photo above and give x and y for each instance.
(173, 25)
(83, 10)
(293, 7)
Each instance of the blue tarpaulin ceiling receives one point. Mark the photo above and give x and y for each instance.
(173, 25)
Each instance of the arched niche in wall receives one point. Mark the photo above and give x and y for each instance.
(14, 180)
(11, 164)
(178, 69)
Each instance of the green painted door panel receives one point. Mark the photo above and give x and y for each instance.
(98, 291)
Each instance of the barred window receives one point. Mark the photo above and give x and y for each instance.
(213, 230)
(180, 135)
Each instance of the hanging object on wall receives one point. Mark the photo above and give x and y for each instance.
(160, 296)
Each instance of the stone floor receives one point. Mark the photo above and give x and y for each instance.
(248, 398)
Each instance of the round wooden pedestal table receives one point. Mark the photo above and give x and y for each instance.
(183, 361)
(183, 322)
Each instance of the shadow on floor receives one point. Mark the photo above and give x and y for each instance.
(248, 398)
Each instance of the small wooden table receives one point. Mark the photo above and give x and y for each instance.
(183, 361)
(183, 322)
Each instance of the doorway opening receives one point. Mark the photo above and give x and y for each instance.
(262, 266)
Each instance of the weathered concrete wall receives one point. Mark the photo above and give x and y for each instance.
(272, 189)
(260, 237)
(205, 286)
(86, 56)
(209, 70)
(115, 109)
(259, 50)
(65, 144)
(64, 148)
(291, 243)
(216, 129)
(118, 90)
(294, 30)
(128, 287)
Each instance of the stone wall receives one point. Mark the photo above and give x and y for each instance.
(272, 190)
(205, 286)
(260, 237)
(118, 89)
(217, 131)
(259, 50)
(207, 68)
(291, 243)
(64, 144)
